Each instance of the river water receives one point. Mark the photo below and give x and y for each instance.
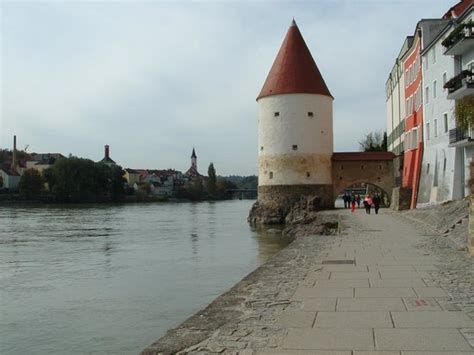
(100, 279)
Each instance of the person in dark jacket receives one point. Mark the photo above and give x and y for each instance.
(377, 201)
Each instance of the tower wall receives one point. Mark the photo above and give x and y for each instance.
(295, 143)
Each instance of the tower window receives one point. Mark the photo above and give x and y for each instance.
(361, 167)
(310, 114)
(270, 176)
(276, 114)
(261, 147)
(380, 167)
(295, 146)
(308, 174)
(428, 168)
(342, 167)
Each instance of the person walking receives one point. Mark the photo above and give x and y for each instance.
(344, 198)
(368, 203)
(353, 203)
(358, 200)
(377, 201)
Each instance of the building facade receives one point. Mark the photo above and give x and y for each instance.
(459, 45)
(437, 182)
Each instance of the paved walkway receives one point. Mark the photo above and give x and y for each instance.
(372, 292)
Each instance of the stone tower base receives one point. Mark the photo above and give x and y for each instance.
(275, 202)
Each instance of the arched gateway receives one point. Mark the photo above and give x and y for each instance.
(374, 168)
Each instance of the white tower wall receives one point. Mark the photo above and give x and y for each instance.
(280, 162)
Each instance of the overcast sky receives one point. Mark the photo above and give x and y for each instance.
(154, 79)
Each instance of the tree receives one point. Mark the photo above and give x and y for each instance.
(211, 182)
(31, 183)
(374, 142)
(464, 112)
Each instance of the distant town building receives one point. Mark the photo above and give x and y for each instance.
(10, 178)
(42, 161)
(107, 160)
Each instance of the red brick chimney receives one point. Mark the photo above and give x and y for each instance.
(107, 151)
(13, 166)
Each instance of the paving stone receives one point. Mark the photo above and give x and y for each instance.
(430, 292)
(304, 292)
(370, 304)
(296, 319)
(404, 274)
(397, 283)
(437, 352)
(319, 304)
(376, 352)
(318, 275)
(309, 352)
(342, 268)
(385, 292)
(354, 275)
(431, 319)
(391, 268)
(420, 339)
(421, 304)
(353, 320)
(426, 267)
(343, 283)
(329, 339)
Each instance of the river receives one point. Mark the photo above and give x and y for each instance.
(101, 279)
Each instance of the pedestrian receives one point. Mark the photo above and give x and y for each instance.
(368, 203)
(344, 198)
(353, 203)
(377, 201)
(358, 200)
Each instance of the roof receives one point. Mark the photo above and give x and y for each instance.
(458, 9)
(294, 69)
(44, 156)
(107, 160)
(192, 172)
(9, 172)
(362, 156)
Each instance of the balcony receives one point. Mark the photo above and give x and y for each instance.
(460, 137)
(460, 40)
(460, 86)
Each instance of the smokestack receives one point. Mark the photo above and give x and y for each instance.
(13, 167)
(106, 151)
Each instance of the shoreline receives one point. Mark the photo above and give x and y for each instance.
(243, 318)
(262, 294)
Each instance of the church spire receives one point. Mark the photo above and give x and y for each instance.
(194, 160)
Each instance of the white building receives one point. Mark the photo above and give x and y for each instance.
(459, 45)
(437, 182)
(295, 129)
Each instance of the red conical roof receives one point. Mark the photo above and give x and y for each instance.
(294, 70)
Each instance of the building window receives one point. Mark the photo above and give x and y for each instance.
(435, 123)
(276, 114)
(342, 167)
(261, 147)
(308, 174)
(427, 94)
(434, 54)
(294, 146)
(445, 78)
(434, 89)
(380, 167)
(270, 175)
(428, 168)
(310, 114)
(361, 167)
(445, 119)
(427, 131)
(444, 165)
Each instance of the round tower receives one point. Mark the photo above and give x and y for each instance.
(295, 129)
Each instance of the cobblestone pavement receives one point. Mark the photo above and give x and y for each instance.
(384, 285)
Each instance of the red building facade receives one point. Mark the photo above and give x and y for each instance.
(413, 118)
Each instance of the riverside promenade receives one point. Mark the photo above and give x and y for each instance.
(383, 285)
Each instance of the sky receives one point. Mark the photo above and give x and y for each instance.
(153, 79)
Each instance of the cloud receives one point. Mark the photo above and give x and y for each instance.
(154, 79)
